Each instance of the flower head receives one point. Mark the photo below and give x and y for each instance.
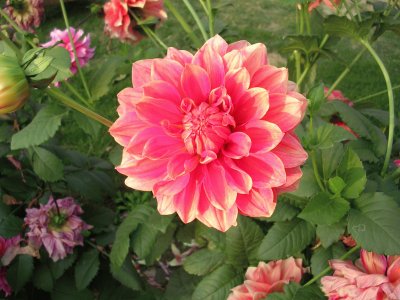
(81, 42)
(268, 278)
(58, 229)
(211, 134)
(26, 13)
(329, 3)
(374, 277)
(397, 163)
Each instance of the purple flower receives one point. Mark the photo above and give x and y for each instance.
(81, 42)
(58, 230)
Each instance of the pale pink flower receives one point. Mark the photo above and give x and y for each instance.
(81, 42)
(329, 3)
(374, 277)
(59, 233)
(268, 278)
(211, 134)
(26, 13)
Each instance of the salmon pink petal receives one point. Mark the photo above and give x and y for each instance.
(128, 97)
(122, 128)
(258, 203)
(269, 172)
(264, 135)
(237, 146)
(236, 83)
(165, 204)
(163, 147)
(237, 179)
(293, 176)
(212, 62)
(255, 56)
(252, 105)
(139, 140)
(167, 70)
(238, 45)
(259, 288)
(217, 44)
(141, 72)
(373, 263)
(393, 271)
(181, 164)
(233, 60)
(181, 56)
(369, 280)
(155, 111)
(162, 90)
(195, 83)
(290, 151)
(345, 269)
(273, 79)
(171, 187)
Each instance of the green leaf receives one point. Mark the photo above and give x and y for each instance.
(38, 65)
(99, 217)
(61, 64)
(203, 262)
(10, 226)
(120, 247)
(127, 275)
(59, 267)
(336, 185)
(294, 291)
(181, 285)
(42, 278)
(329, 159)
(42, 128)
(217, 284)
(86, 268)
(364, 150)
(215, 238)
(46, 165)
(65, 289)
(143, 240)
(343, 27)
(242, 242)
(316, 96)
(328, 135)
(323, 209)
(164, 241)
(20, 272)
(304, 43)
(283, 211)
(329, 234)
(321, 256)
(374, 223)
(285, 239)
(308, 185)
(89, 126)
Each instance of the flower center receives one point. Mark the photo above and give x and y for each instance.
(19, 5)
(207, 126)
(57, 221)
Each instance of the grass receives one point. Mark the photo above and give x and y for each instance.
(265, 21)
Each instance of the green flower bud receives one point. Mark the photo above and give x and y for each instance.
(14, 87)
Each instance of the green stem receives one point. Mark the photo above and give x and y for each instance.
(326, 271)
(391, 103)
(375, 94)
(204, 6)
(358, 11)
(315, 169)
(210, 18)
(67, 101)
(183, 23)
(306, 17)
(73, 90)
(301, 19)
(10, 44)
(344, 73)
(71, 39)
(395, 174)
(16, 27)
(149, 32)
(196, 18)
(297, 60)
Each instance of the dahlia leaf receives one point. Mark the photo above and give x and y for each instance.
(65, 289)
(164, 241)
(363, 150)
(328, 234)
(86, 268)
(284, 210)
(242, 242)
(374, 223)
(143, 240)
(43, 279)
(61, 64)
(324, 209)
(203, 262)
(47, 165)
(59, 267)
(89, 126)
(181, 285)
(285, 239)
(307, 188)
(20, 272)
(99, 217)
(321, 256)
(10, 226)
(43, 127)
(294, 291)
(343, 27)
(127, 275)
(328, 135)
(329, 159)
(217, 284)
(316, 97)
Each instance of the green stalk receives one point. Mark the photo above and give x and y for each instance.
(204, 6)
(326, 271)
(149, 32)
(196, 18)
(306, 17)
(375, 94)
(16, 27)
(183, 23)
(78, 65)
(73, 90)
(315, 169)
(391, 103)
(297, 59)
(210, 18)
(301, 19)
(67, 101)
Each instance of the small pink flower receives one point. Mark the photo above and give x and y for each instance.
(338, 95)
(374, 277)
(4, 285)
(81, 42)
(329, 3)
(397, 163)
(58, 232)
(268, 278)
(211, 134)
(348, 240)
(9, 248)
(26, 13)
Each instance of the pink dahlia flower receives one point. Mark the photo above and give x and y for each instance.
(397, 163)
(268, 278)
(329, 3)
(58, 232)
(211, 134)
(26, 13)
(81, 42)
(375, 277)
(338, 95)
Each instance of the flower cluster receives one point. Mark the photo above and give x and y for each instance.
(268, 278)
(211, 134)
(373, 277)
(57, 226)
(26, 13)
(120, 16)
(81, 42)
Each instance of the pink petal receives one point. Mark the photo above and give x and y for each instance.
(237, 146)
(217, 44)
(141, 72)
(293, 176)
(212, 62)
(163, 147)
(171, 187)
(124, 127)
(167, 70)
(370, 280)
(252, 105)
(162, 90)
(233, 60)
(393, 271)
(255, 57)
(236, 178)
(195, 83)
(127, 98)
(264, 135)
(273, 79)
(236, 83)
(373, 263)
(290, 151)
(181, 164)
(181, 56)
(258, 203)
(139, 140)
(155, 111)
(238, 45)
(345, 269)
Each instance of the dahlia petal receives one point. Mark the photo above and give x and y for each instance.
(155, 111)
(264, 136)
(181, 164)
(373, 263)
(123, 127)
(165, 205)
(370, 280)
(212, 62)
(237, 146)
(163, 147)
(139, 140)
(236, 83)
(217, 44)
(252, 105)
(293, 176)
(238, 45)
(171, 187)
(233, 60)
(255, 57)
(162, 90)
(273, 79)
(258, 203)
(345, 269)
(141, 72)
(166, 70)
(261, 288)
(290, 151)
(393, 271)
(236, 178)
(181, 56)
(269, 172)
(195, 83)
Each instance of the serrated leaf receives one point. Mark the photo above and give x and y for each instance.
(164, 242)
(120, 247)
(98, 216)
(59, 267)
(323, 209)
(61, 63)
(364, 151)
(336, 185)
(283, 211)
(242, 242)
(321, 256)
(329, 234)
(343, 27)
(374, 223)
(38, 65)
(20, 272)
(308, 185)
(285, 239)
(203, 262)
(217, 284)
(86, 268)
(42, 278)
(65, 289)
(89, 126)
(316, 96)
(127, 275)
(10, 226)
(181, 285)
(42, 128)
(328, 135)
(143, 240)
(46, 165)
(294, 291)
